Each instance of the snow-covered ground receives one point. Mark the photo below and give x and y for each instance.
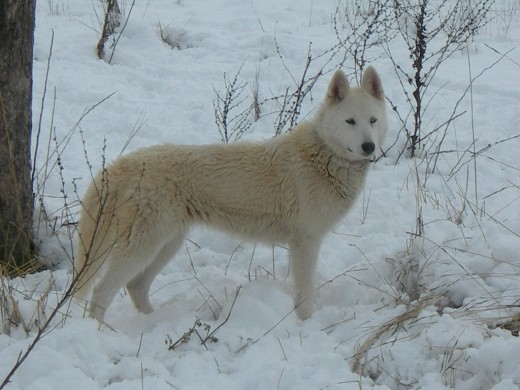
(394, 310)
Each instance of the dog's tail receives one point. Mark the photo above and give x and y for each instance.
(89, 246)
(88, 260)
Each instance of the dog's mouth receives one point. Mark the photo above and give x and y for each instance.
(371, 157)
(365, 156)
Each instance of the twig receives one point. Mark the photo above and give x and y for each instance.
(267, 331)
(42, 105)
(212, 334)
(121, 33)
(209, 336)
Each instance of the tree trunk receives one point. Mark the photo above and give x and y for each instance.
(16, 197)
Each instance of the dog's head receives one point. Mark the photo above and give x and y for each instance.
(353, 119)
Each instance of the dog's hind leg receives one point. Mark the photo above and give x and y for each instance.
(138, 288)
(303, 254)
(122, 266)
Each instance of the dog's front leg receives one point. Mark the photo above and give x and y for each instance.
(303, 254)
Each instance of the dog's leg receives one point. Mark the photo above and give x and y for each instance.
(120, 268)
(123, 265)
(303, 257)
(139, 287)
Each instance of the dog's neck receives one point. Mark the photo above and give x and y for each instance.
(340, 172)
(346, 174)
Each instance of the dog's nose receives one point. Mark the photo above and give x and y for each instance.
(368, 147)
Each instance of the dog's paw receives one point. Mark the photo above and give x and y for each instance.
(304, 309)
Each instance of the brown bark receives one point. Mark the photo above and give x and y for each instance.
(16, 198)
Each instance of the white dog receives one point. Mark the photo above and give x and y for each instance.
(291, 189)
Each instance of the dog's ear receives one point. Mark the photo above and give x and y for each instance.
(372, 83)
(338, 88)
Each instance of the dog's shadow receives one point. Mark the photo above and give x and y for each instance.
(256, 306)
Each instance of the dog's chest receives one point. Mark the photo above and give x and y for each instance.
(331, 192)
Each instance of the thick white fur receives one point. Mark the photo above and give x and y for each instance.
(292, 189)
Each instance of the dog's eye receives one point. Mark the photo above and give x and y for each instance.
(351, 121)
(373, 120)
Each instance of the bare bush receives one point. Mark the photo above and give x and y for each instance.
(112, 20)
(289, 103)
(112, 28)
(432, 31)
(232, 116)
(256, 104)
(361, 25)
(506, 12)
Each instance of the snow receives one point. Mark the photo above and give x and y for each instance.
(413, 312)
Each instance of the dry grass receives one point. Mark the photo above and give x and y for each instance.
(389, 328)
